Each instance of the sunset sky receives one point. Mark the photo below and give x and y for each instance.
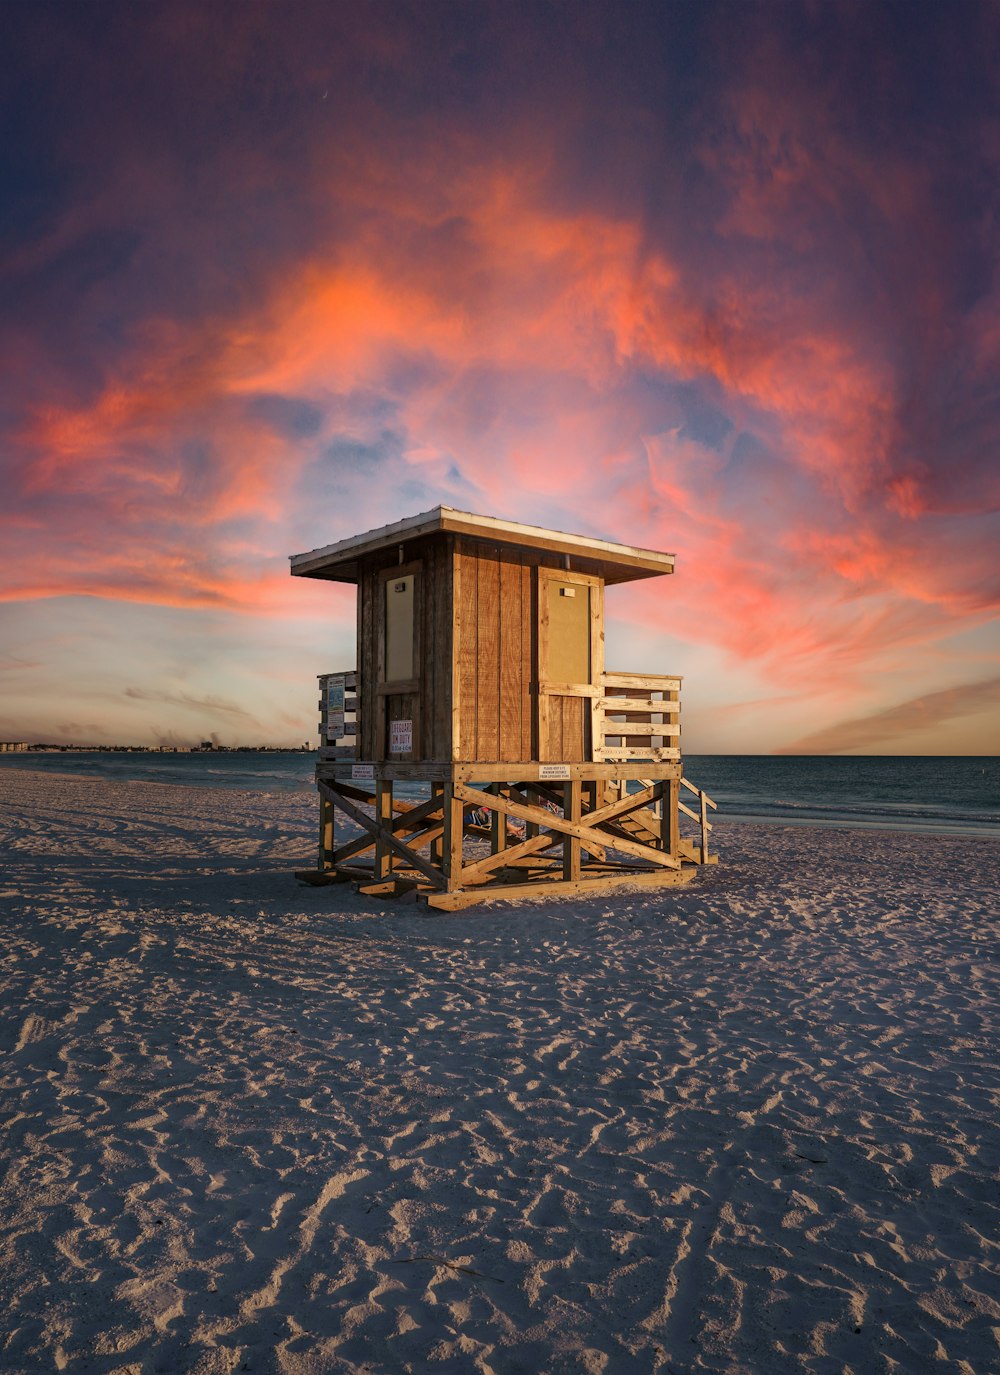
(721, 279)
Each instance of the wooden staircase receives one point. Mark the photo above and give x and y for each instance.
(646, 824)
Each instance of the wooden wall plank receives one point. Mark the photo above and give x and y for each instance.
(468, 649)
(488, 733)
(455, 652)
(529, 664)
(366, 662)
(438, 592)
(511, 663)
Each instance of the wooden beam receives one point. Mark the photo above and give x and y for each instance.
(556, 798)
(437, 851)
(569, 689)
(613, 705)
(545, 888)
(670, 818)
(411, 817)
(326, 833)
(383, 815)
(628, 728)
(510, 771)
(454, 834)
(699, 816)
(556, 823)
(498, 825)
(641, 754)
(533, 846)
(656, 682)
(698, 793)
(571, 844)
(376, 830)
(621, 806)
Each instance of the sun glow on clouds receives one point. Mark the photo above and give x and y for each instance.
(471, 322)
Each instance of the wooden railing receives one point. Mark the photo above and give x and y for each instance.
(637, 717)
(338, 714)
(648, 823)
(701, 817)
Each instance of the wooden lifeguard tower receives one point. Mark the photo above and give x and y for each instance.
(481, 676)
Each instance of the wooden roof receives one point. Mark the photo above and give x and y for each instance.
(613, 562)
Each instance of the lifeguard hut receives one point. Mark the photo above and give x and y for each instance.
(480, 676)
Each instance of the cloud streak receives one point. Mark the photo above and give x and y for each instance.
(744, 311)
(927, 713)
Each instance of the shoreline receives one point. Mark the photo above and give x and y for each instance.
(745, 1126)
(963, 828)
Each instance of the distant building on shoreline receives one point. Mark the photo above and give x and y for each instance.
(12, 746)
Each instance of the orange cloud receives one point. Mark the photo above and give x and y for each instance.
(504, 334)
(929, 712)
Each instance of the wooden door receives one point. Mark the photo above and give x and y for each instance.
(399, 695)
(570, 663)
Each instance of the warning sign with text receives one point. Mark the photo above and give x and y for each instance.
(400, 737)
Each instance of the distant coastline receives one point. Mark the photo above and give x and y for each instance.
(932, 795)
(19, 747)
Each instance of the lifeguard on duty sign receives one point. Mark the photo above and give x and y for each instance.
(400, 737)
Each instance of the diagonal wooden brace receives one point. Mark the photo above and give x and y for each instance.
(374, 829)
(539, 816)
(412, 817)
(597, 851)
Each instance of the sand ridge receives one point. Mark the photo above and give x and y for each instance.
(748, 1126)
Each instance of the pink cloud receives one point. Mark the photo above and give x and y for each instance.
(506, 335)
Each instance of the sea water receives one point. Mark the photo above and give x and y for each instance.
(937, 796)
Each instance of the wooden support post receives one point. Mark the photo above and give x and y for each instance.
(531, 830)
(498, 825)
(454, 816)
(670, 828)
(571, 845)
(326, 841)
(437, 792)
(592, 793)
(383, 815)
(704, 827)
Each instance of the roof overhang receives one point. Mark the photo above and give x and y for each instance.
(614, 562)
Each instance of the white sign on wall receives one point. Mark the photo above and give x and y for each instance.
(335, 697)
(400, 737)
(363, 771)
(335, 725)
(553, 771)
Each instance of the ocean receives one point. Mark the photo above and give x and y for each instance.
(936, 796)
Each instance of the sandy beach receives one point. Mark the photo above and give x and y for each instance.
(748, 1127)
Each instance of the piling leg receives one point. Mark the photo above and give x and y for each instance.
(571, 845)
(383, 815)
(498, 825)
(326, 845)
(592, 792)
(670, 828)
(436, 846)
(453, 831)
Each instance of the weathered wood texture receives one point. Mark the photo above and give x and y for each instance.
(426, 700)
(605, 832)
(494, 658)
(638, 717)
(570, 660)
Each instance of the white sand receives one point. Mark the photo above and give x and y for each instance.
(748, 1126)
